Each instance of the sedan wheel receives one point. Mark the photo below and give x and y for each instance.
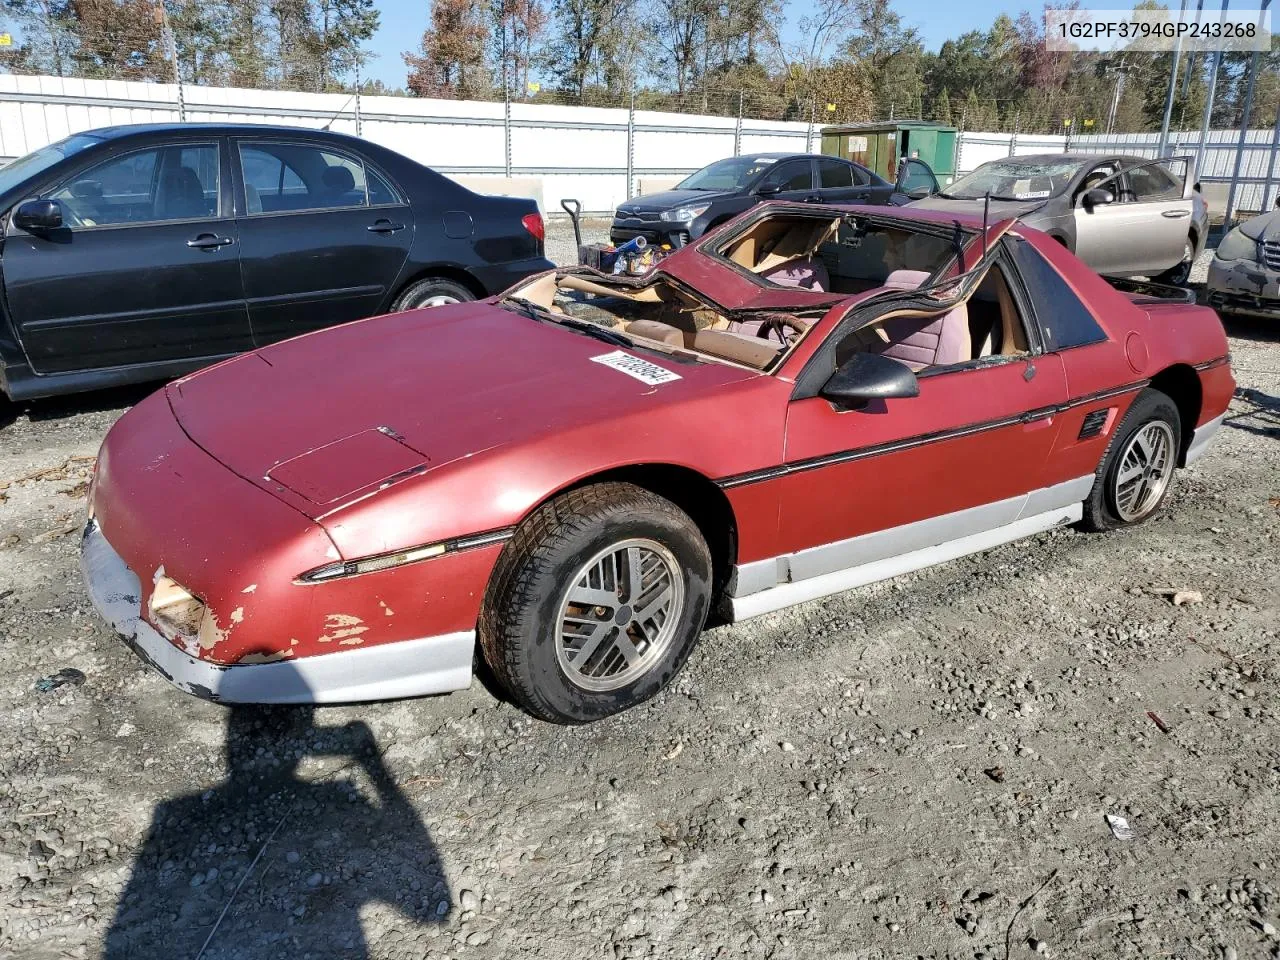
(596, 603)
(1179, 275)
(432, 292)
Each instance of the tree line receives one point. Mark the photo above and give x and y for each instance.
(846, 60)
(312, 45)
(841, 60)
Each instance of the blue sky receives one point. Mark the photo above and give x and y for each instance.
(404, 20)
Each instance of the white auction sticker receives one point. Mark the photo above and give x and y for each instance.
(642, 370)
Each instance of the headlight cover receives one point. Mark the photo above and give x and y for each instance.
(685, 214)
(1237, 246)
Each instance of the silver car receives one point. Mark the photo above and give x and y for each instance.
(1123, 216)
(1244, 274)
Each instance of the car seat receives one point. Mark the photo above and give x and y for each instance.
(937, 340)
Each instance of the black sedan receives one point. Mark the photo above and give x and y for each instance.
(722, 190)
(142, 252)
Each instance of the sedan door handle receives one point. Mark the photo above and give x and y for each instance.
(209, 241)
(1176, 214)
(384, 226)
(813, 198)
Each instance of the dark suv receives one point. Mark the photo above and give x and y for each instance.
(724, 189)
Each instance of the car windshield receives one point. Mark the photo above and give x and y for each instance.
(1015, 180)
(38, 161)
(732, 174)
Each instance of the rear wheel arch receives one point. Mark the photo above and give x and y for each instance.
(1181, 384)
(443, 272)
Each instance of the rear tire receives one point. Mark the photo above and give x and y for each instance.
(1135, 473)
(432, 292)
(596, 603)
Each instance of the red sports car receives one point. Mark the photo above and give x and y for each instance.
(577, 473)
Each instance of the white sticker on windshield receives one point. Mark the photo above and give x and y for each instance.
(642, 370)
(766, 160)
(1032, 195)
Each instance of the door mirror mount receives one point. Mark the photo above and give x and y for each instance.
(37, 216)
(919, 193)
(869, 376)
(769, 189)
(1096, 197)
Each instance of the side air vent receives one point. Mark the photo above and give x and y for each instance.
(1094, 423)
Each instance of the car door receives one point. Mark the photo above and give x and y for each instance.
(1144, 230)
(144, 269)
(323, 233)
(916, 179)
(966, 456)
(790, 180)
(838, 182)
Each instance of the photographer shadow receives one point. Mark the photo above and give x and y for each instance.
(269, 864)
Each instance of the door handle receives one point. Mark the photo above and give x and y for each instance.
(862, 195)
(1176, 214)
(208, 241)
(813, 198)
(384, 226)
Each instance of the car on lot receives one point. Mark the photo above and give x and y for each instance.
(1244, 274)
(139, 253)
(573, 476)
(1123, 216)
(720, 191)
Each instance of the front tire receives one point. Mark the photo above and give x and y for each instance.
(596, 603)
(1134, 476)
(432, 292)
(1179, 275)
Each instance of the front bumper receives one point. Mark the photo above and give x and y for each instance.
(407, 668)
(1243, 286)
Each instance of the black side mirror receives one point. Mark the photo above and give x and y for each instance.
(769, 189)
(919, 193)
(38, 215)
(1096, 197)
(869, 376)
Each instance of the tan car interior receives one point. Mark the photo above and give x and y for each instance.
(985, 324)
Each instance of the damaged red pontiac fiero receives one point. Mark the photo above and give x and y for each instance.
(572, 476)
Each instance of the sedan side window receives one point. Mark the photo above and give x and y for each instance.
(146, 186)
(795, 175)
(835, 174)
(293, 177)
(1151, 182)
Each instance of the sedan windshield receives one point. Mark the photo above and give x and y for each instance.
(732, 174)
(1015, 179)
(41, 160)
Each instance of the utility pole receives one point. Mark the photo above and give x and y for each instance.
(1173, 88)
(171, 50)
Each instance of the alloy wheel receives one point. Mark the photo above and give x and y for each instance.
(439, 301)
(1145, 468)
(619, 615)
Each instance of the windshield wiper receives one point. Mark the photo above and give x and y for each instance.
(534, 312)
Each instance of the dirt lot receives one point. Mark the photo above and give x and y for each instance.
(916, 769)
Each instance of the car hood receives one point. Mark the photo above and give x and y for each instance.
(333, 416)
(1264, 227)
(1000, 209)
(669, 200)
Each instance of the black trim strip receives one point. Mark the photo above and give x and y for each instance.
(480, 539)
(1215, 362)
(894, 446)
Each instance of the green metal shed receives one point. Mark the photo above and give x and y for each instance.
(879, 146)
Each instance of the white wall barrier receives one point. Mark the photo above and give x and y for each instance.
(596, 155)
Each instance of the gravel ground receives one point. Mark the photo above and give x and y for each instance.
(917, 769)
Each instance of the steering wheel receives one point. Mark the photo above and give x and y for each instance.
(779, 324)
